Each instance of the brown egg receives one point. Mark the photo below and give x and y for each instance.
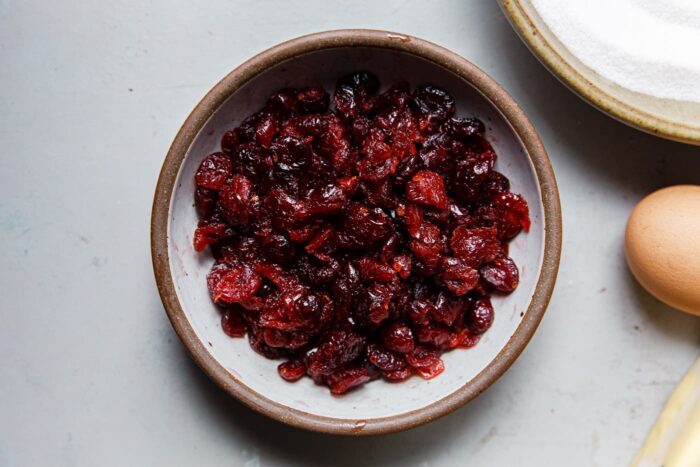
(662, 243)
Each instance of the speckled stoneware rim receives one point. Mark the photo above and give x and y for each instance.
(356, 38)
(571, 76)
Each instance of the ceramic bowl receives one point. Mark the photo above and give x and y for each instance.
(671, 119)
(378, 407)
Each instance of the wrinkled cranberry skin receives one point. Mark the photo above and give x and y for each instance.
(357, 235)
(292, 370)
(480, 316)
(427, 187)
(232, 324)
(398, 337)
(502, 274)
(214, 171)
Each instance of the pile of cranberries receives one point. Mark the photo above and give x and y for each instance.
(359, 241)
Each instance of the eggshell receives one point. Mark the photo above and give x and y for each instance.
(662, 243)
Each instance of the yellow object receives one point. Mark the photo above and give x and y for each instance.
(662, 244)
(675, 439)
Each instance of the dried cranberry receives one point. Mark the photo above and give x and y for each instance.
(213, 171)
(426, 362)
(385, 360)
(427, 188)
(433, 106)
(337, 349)
(235, 200)
(373, 270)
(465, 127)
(398, 337)
(458, 276)
(501, 273)
(232, 324)
(475, 246)
(292, 370)
(514, 214)
(342, 381)
(205, 201)
(480, 315)
(236, 285)
(357, 242)
(427, 244)
(208, 233)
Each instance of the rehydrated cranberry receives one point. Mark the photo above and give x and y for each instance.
(235, 285)
(205, 201)
(213, 171)
(465, 127)
(458, 276)
(433, 106)
(353, 94)
(233, 324)
(208, 233)
(475, 246)
(360, 241)
(398, 337)
(427, 187)
(363, 227)
(384, 359)
(428, 244)
(342, 381)
(480, 315)
(514, 214)
(501, 273)
(312, 99)
(373, 270)
(374, 303)
(426, 362)
(292, 370)
(337, 349)
(235, 200)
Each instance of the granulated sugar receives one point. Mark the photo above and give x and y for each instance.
(648, 46)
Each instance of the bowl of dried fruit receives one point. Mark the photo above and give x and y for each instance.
(356, 232)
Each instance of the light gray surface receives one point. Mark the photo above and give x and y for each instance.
(92, 374)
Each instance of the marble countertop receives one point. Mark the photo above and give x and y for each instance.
(91, 96)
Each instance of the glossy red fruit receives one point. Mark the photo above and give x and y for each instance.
(515, 215)
(235, 285)
(208, 233)
(292, 370)
(384, 359)
(360, 241)
(458, 276)
(501, 273)
(214, 170)
(399, 375)
(480, 315)
(233, 324)
(402, 265)
(337, 349)
(398, 337)
(342, 381)
(475, 246)
(205, 201)
(235, 200)
(373, 270)
(428, 188)
(426, 362)
(427, 244)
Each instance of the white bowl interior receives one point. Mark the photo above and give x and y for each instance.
(379, 398)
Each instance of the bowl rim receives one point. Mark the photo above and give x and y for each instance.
(570, 75)
(343, 38)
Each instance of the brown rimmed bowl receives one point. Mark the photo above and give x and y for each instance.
(378, 407)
